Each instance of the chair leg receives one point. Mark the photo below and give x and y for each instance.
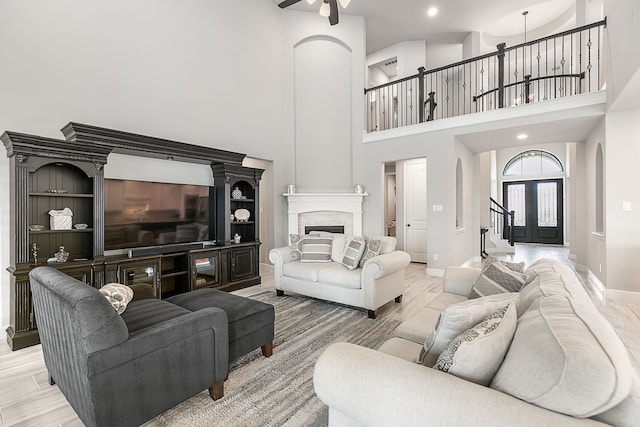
(51, 380)
(399, 298)
(267, 349)
(371, 314)
(217, 391)
(279, 292)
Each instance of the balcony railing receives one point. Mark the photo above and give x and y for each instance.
(561, 65)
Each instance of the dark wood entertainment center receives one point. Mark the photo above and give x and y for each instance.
(48, 173)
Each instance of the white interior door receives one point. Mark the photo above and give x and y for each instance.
(415, 208)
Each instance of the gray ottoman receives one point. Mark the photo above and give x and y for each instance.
(250, 321)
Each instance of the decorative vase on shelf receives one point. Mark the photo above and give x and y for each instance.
(236, 193)
(61, 255)
(236, 238)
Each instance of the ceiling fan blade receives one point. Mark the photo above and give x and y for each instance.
(287, 3)
(333, 15)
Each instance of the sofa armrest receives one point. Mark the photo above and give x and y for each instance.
(459, 280)
(280, 256)
(385, 264)
(376, 389)
(166, 334)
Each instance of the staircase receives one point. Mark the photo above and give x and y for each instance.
(500, 230)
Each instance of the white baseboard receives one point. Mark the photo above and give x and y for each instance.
(471, 262)
(593, 279)
(623, 296)
(435, 272)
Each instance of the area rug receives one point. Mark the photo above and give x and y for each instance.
(278, 391)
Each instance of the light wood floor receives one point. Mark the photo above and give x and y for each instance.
(27, 399)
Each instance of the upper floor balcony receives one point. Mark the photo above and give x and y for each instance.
(558, 66)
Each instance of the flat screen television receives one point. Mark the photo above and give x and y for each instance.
(141, 213)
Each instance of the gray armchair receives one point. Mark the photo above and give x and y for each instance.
(124, 370)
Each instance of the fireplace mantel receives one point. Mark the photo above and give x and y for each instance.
(349, 203)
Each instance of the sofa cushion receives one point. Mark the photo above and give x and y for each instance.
(575, 363)
(303, 271)
(419, 326)
(372, 248)
(336, 274)
(148, 312)
(543, 285)
(404, 349)
(353, 252)
(627, 412)
(457, 318)
(476, 354)
(496, 278)
(388, 243)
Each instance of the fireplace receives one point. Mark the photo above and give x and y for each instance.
(326, 228)
(325, 210)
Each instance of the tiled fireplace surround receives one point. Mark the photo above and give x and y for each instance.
(325, 209)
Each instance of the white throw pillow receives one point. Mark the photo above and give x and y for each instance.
(457, 318)
(118, 295)
(476, 354)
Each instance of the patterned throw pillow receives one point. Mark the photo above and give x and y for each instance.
(353, 252)
(456, 318)
(476, 354)
(311, 248)
(515, 266)
(495, 279)
(118, 295)
(372, 249)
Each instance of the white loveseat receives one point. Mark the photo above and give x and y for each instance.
(378, 281)
(565, 366)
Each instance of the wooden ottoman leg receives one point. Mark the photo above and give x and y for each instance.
(217, 391)
(267, 349)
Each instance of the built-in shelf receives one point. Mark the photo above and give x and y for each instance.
(61, 195)
(73, 230)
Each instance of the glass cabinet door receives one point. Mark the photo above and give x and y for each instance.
(205, 268)
(140, 273)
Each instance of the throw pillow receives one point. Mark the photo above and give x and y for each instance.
(456, 318)
(372, 249)
(476, 354)
(515, 266)
(118, 295)
(315, 249)
(353, 253)
(496, 278)
(310, 248)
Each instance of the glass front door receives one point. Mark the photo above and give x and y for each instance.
(538, 210)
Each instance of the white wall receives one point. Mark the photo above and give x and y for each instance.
(596, 260)
(622, 227)
(158, 68)
(410, 56)
(466, 243)
(325, 125)
(441, 54)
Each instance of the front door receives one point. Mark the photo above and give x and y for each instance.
(538, 210)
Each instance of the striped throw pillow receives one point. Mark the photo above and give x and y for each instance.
(315, 249)
(495, 279)
(353, 252)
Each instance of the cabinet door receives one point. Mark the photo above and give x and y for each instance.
(144, 272)
(205, 268)
(243, 264)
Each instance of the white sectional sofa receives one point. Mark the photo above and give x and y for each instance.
(564, 366)
(379, 280)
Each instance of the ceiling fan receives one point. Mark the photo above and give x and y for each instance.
(329, 8)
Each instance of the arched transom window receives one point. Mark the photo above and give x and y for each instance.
(532, 162)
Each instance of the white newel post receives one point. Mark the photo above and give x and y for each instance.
(340, 203)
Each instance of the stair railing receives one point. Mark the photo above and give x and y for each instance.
(501, 220)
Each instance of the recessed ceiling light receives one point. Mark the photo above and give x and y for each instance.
(522, 136)
(433, 11)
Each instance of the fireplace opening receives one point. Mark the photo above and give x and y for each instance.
(326, 228)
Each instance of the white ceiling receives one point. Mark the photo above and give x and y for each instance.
(392, 21)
